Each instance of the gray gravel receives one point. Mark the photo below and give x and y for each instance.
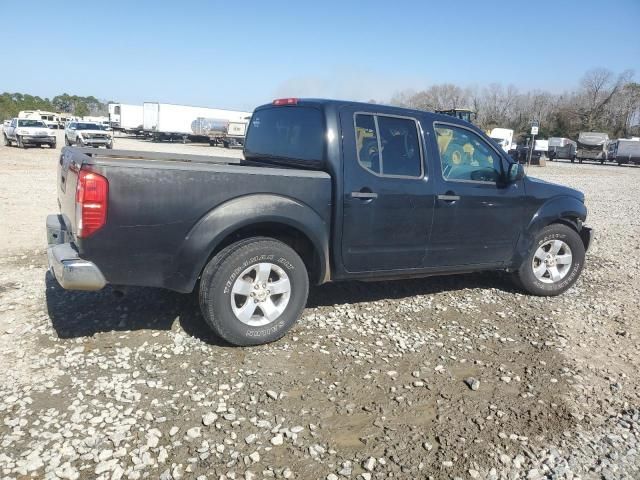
(376, 381)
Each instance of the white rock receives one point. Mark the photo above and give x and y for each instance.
(277, 440)
(369, 464)
(272, 394)
(209, 418)
(255, 457)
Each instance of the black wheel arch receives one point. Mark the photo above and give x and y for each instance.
(564, 210)
(261, 215)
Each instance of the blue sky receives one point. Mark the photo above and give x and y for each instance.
(239, 54)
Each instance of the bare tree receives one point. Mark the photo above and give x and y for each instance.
(598, 88)
(602, 101)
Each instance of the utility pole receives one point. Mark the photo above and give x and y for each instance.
(535, 124)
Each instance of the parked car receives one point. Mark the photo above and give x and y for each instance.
(327, 191)
(85, 134)
(26, 131)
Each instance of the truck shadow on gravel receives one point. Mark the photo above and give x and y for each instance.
(358, 292)
(76, 314)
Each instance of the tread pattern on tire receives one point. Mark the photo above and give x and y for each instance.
(525, 277)
(210, 284)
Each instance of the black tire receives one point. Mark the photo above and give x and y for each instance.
(53, 145)
(66, 141)
(7, 142)
(109, 146)
(79, 142)
(527, 278)
(19, 142)
(223, 271)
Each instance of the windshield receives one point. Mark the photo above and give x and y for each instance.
(89, 126)
(31, 123)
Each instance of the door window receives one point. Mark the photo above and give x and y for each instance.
(367, 143)
(388, 146)
(465, 157)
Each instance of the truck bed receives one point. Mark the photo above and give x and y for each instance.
(160, 206)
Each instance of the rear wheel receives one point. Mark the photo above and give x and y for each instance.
(7, 142)
(554, 262)
(253, 291)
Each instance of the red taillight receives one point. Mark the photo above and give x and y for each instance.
(91, 202)
(285, 101)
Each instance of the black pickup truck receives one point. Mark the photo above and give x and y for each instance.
(327, 191)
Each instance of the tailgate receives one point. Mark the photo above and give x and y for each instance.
(68, 168)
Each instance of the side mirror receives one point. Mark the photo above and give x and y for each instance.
(515, 173)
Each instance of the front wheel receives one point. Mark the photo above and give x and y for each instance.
(253, 291)
(7, 142)
(554, 262)
(19, 142)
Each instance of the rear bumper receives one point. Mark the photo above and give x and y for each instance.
(71, 272)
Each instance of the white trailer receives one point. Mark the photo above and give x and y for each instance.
(50, 118)
(126, 118)
(150, 116)
(503, 137)
(166, 121)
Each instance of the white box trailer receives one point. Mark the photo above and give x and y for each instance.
(503, 137)
(150, 116)
(166, 121)
(126, 118)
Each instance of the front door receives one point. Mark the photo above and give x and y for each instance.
(477, 218)
(388, 198)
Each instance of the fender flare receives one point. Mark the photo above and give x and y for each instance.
(229, 217)
(566, 209)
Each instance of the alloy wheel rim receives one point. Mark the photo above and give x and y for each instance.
(552, 261)
(260, 294)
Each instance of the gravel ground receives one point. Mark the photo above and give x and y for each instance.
(450, 377)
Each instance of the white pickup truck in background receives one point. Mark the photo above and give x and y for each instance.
(26, 131)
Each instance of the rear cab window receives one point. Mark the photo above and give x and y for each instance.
(286, 135)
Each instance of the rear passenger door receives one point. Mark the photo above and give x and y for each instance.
(388, 198)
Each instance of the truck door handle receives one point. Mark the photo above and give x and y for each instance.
(449, 197)
(364, 195)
